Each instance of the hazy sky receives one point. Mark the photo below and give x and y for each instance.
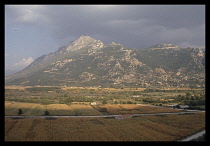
(34, 30)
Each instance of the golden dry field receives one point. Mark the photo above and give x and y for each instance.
(34, 109)
(60, 109)
(134, 109)
(85, 110)
(11, 108)
(143, 128)
(93, 101)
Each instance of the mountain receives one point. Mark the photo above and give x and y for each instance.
(164, 46)
(89, 62)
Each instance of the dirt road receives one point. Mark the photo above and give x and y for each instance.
(194, 136)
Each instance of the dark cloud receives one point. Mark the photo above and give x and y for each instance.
(34, 30)
(136, 26)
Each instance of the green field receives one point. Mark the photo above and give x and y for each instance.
(195, 98)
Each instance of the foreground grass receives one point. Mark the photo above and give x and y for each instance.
(144, 128)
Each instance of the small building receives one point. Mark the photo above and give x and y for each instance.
(93, 103)
(183, 106)
(171, 106)
(123, 116)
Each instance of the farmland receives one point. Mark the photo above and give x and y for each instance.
(195, 98)
(34, 109)
(94, 101)
(143, 128)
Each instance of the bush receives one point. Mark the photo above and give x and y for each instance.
(20, 112)
(104, 102)
(46, 113)
(129, 102)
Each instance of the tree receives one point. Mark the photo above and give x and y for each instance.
(179, 97)
(104, 102)
(20, 112)
(115, 102)
(46, 113)
(188, 95)
(192, 98)
(129, 102)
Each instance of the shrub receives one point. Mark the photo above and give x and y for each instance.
(46, 113)
(20, 112)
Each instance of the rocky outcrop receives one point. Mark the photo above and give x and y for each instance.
(86, 76)
(87, 61)
(85, 42)
(164, 46)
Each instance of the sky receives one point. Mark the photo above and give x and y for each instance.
(34, 30)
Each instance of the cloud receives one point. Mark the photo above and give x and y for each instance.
(26, 14)
(24, 62)
(136, 26)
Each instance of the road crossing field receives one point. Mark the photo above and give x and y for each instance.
(98, 123)
(169, 127)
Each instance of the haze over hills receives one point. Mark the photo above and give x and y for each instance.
(89, 62)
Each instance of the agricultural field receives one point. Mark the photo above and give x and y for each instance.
(34, 109)
(143, 128)
(77, 101)
(195, 98)
(11, 108)
(133, 109)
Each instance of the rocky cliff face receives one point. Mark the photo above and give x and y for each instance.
(84, 42)
(88, 62)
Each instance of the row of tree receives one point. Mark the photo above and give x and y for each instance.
(46, 113)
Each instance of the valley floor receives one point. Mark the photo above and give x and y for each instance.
(167, 127)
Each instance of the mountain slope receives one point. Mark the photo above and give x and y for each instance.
(88, 62)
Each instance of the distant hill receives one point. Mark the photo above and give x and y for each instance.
(89, 62)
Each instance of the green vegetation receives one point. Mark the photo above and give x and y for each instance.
(160, 97)
(195, 101)
(20, 112)
(42, 89)
(46, 113)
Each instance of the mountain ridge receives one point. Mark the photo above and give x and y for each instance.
(89, 62)
(164, 46)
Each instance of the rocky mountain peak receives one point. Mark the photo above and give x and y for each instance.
(84, 38)
(84, 42)
(88, 62)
